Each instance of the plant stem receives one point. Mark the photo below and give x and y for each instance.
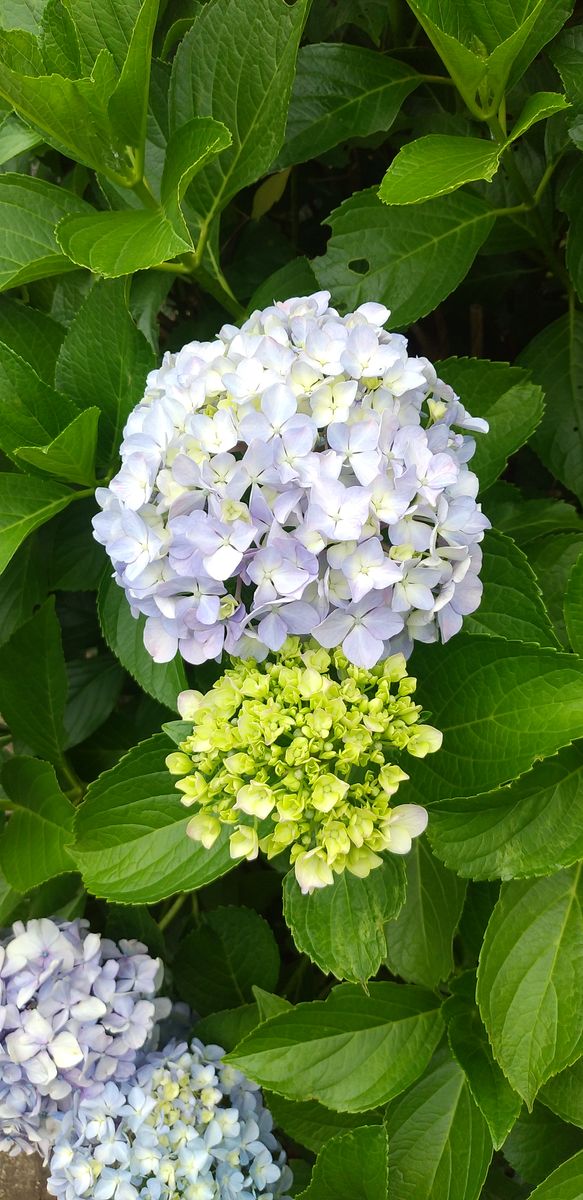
(142, 190)
(76, 789)
(169, 915)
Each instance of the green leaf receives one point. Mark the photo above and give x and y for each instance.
(553, 558)
(123, 921)
(118, 243)
(22, 14)
(342, 927)
(112, 381)
(439, 1144)
(531, 976)
(341, 92)
(16, 138)
(108, 23)
(75, 560)
(566, 53)
(33, 845)
(564, 1094)
(539, 1143)
(226, 1028)
(23, 586)
(533, 826)
(125, 636)
(512, 605)
(113, 244)
(436, 164)
(94, 686)
(420, 939)
(131, 843)
(484, 47)
(32, 335)
(31, 410)
(128, 105)
(24, 505)
(526, 520)
(71, 455)
(469, 1045)
(351, 1052)
(237, 65)
(217, 965)
(10, 902)
(33, 683)
(312, 1125)
(537, 108)
(555, 358)
(512, 405)
(72, 114)
(29, 211)
(351, 1164)
(574, 606)
(500, 706)
(268, 1004)
(566, 1183)
(415, 256)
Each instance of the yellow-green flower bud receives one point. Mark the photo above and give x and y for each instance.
(390, 777)
(328, 791)
(424, 740)
(178, 763)
(204, 828)
(244, 843)
(255, 799)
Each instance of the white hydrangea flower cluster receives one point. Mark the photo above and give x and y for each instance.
(75, 1009)
(187, 1126)
(299, 474)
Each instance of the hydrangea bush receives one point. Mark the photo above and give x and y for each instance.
(319, 566)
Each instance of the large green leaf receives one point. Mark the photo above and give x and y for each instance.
(25, 504)
(341, 92)
(530, 978)
(71, 454)
(72, 114)
(23, 586)
(237, 65)
(436, 164)
(469, 1044)
(312, 1125)
(408, 258)
(539, 1142)
(500, 706)
(351, 1052)
(555, 358)
(33, 684)
(32, 412)
(131, 843)
(29, 211)
(486, 46)
(554, 557)
(125, 636)
(574, 606)
(128, 105)
(420, 939)
(567, 54)
(564, 1094)
(439, 1144)
(104, 23)
(566, 1183)
(526, 520)
(16, 138)
(512, 405)
(113, 381)
(217, 964)
(342, 927)
(94, 685)
(511, 606)
(533, 826)
(32, 335)
(33, 845)
(351, 1164)
(118, 243)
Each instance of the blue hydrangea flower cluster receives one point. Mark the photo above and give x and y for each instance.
(187, 1125)
(299, 474)
(75, 1009)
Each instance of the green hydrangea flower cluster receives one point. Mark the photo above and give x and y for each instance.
(304, 743)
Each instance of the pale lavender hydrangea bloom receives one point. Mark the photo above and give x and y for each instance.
(301, 474)
(75, 1009)
(186, 1125)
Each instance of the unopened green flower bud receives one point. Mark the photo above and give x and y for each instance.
(255, 799)
(244, 843)
(204, 828)
(178, 763)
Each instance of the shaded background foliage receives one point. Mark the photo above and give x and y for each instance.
(163, 169)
